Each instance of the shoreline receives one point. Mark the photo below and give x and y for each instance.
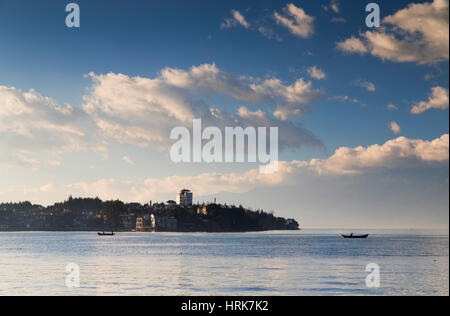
(137, 232)
(305, 232)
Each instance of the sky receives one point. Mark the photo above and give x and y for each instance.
(362, 112)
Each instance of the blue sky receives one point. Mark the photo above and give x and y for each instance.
(141, 38)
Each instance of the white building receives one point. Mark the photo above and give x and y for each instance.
(185, 198)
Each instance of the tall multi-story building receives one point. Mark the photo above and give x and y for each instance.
(185, 198)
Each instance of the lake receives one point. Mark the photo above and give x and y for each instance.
(271, 263)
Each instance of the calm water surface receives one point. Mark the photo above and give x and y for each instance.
(275, 263)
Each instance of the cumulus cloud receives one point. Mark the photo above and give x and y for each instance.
(369, 86)
(418, 33)
(236, 19)
(142, 111)
(394, 127)
(398, 153)
(203, 185)
(352, 45)
(438, 99)
(36, 129)
(316, 73)
(299, 95)
(296, 20)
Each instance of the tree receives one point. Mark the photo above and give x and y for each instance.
(112, 210)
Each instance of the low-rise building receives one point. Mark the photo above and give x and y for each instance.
(144, 224)
(202, 210)
(171, 204)
(164, 223)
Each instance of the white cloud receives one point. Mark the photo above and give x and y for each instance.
(36, 129)
(334, 8)
(298, 95)
(142, 111)
(128, 160)
(202, 184)
(209, 80)
(418, 33)
(334, 5)
(345, 99)
(398, 153)
(296, 20)
(438, 99)
(339, 20)
(352, 45)
(49, 187)
(269, 33)
(316, 73)
(392, 107)
(369, 86)
(341, 98)
(394, 127)
(236, 19)
(240, 18)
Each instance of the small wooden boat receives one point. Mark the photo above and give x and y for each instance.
(351, 236)
(106, 234)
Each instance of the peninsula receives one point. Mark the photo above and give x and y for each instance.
(93, 214)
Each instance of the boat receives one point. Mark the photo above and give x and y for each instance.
(351, 236)
(106, 234)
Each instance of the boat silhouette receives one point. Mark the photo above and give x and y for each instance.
(351, 236)
(106, 234)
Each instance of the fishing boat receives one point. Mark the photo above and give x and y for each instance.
(351, 236)
(106, 234)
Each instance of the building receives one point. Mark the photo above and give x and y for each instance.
(202, 210)
(145, 224)
(129, 221)
(139, 223)
(164, 223)
(184, 199)
(171, 203)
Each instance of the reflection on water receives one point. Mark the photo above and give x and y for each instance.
(297, 263)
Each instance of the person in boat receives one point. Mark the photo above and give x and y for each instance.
(351, 235)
